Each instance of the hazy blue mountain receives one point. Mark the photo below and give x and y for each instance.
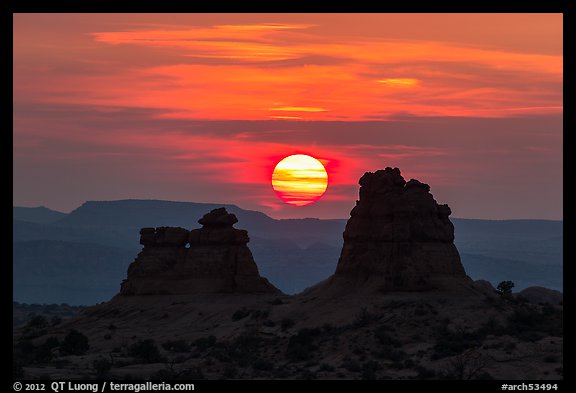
(48, 271)
(83, 257)
(536, 241)
(134, 213)
(40, 214)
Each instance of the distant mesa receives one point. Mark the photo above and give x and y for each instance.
(212, 259)
(397, 238)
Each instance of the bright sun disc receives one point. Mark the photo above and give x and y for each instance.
(299, 179)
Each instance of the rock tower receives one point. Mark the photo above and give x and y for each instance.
(397, 236)
(212, 259)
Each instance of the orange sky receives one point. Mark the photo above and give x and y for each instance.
(110, 106)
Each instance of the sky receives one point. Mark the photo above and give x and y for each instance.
(201, 107)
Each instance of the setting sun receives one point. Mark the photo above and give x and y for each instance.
(299, 179)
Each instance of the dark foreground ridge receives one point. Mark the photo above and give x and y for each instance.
(212, 259)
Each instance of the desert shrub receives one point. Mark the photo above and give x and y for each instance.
(358, 351)
(35, 327)
(24, 352)
(145, 351)
(163, 375)
(301, 345)
(551, 359)
(178, 346)
(409, 363)
(548, 310)
(559, 370)
(388, 345)
(504, 288)
(240, 314)
(230, 372)
(425, 373)
(491, 326)
(468, 365)
(384, 338)
(369, 369)
(101, 367)
(276, 302)
(259, 314)
(171, 374)
(43, 352)
(363, 318)
(263, 365)
(326, 367)
(17, 370)
(307, 375)
(525, 318)
(350, 365)
(529, 324)
(450, 343)
(243, 349)
(75, 343)
(192, 374)
(38, 321)
(390, 353)
(204, 343)
(286, 323)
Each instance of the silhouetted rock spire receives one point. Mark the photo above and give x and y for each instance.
(397, 236)
(217, 260)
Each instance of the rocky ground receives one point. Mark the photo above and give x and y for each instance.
(397, 335)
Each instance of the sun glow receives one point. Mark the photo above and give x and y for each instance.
(299, 179)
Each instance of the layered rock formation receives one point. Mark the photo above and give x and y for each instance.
(212, 259)
(397, 236)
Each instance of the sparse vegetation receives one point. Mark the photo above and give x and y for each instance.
(244, 350)
(363, 318)
(17, 369)
(551, 359)
(75, 343)
(230, 372)
(101, 368)
(529, 324)
(425, 373)
(44, 351)
(301, 345)
(369, 369)
(240, 314)
(263, 365)
(52, 313)
(286, 323)
(204, 343)
(384, 338)
(326, 367)
(468, 365)
(450, 343)
(350, 365)
(177, 346)
(145, 351)
(38, 321)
